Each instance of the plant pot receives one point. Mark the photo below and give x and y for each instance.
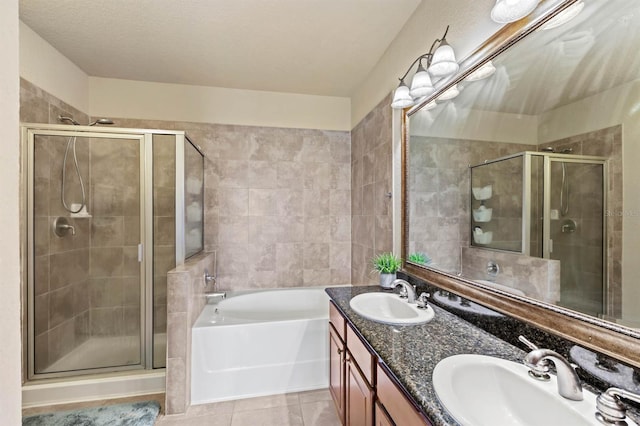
(386, 280)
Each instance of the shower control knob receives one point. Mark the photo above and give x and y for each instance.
(61, 227)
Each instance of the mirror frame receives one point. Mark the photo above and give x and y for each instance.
(609, 338)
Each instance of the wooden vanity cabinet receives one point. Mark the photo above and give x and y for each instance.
(360, 382)
(351, 373)
(337, 359)
(359, 396)
(356, 380)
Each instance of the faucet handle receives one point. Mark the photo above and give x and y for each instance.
(527, 342)
(610, 410)
(540, 371)
(423, 303)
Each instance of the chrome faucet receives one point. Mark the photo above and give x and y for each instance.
(411, 292)
(568, 381)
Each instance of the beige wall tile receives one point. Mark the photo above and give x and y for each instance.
(233, 202)
(263, 202)
(262, 174)
(317, 202)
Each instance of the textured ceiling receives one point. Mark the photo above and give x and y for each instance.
(321, 47)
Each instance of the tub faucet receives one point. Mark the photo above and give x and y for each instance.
(411, 293)
(214, 295)
(568, 381)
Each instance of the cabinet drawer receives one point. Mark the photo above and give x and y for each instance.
(361, 355)
(397, 405)
(381, 418)
(337, 320)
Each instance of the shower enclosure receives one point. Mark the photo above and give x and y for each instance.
(548, 205)
(109, 212)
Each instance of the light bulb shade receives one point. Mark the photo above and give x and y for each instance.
(450, 93)
(430, 105)
(564, 16)
(506, 11)
(421, 84)
(484, 71)
(401, 97)
(444, 61)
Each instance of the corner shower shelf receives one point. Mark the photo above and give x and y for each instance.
(482, 193)
(482, 215)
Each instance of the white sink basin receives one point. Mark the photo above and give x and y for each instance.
(389, 309)
(480, 390)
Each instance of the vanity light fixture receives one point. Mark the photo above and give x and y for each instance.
(440, 62)
(564, 16)
(506, 11)
(484, 71)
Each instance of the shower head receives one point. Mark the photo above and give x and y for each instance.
(102, 122)
(63, 118)
(553, 150)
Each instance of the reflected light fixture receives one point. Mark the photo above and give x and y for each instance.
(439, 63)
(506, 11)
(430, 105)
(565, 16)
(484, 71)
(450, 93)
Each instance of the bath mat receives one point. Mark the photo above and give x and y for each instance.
(138, 414)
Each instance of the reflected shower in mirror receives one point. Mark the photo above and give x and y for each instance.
(525, 168)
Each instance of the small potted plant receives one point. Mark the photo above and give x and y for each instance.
(387, 264)
(419, 258)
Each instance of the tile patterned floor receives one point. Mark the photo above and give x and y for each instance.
(312, 408)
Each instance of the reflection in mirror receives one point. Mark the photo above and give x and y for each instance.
(525, 168)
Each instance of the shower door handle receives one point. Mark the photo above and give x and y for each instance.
(550, 245)
(140, 253)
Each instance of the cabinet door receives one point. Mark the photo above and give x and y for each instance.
(381, 417)
(336, 371)
(359, 397)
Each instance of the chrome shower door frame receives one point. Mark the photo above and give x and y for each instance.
(29, 133)
(547, 244)
(145, 136)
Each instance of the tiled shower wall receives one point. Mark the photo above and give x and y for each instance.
(371, 221)
(87, 284)
(439, 178)
(61, 265)
(602, 143)
(277, 203)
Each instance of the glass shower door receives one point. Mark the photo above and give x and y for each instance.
(576, 232)
(85, 286)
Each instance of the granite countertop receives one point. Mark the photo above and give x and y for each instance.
(411, 352)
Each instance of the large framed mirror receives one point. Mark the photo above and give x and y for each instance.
(520, 193)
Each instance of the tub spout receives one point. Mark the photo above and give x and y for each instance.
(212, 296)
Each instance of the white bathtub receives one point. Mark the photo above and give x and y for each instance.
(261, 343)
